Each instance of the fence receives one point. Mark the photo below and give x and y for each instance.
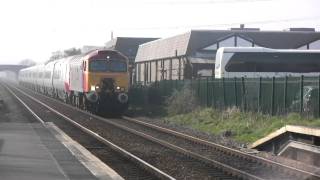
(267, 95)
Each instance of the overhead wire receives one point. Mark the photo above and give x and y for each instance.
(221, 24)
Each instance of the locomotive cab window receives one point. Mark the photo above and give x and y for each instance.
(116, 66)
(107, 66)
(98, 66)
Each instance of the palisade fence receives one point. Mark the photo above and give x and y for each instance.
(273, 96)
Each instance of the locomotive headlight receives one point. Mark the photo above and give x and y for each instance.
(93, 88)
(120, 89)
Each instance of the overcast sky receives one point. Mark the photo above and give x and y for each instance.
(35, 28)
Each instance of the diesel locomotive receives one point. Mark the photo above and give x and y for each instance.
(97, 81)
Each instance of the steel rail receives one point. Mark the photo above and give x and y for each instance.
(25, 105)
(274, 165)
(224, 167)
(148, 167)
(222, 148)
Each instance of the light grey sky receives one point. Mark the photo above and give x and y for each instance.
(35, 28)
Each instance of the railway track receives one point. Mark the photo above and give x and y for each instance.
(255, 165)
(125, 163)
(178, 165)
(216, 160)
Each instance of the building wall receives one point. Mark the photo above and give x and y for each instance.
(166, 69)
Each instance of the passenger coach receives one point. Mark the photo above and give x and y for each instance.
(97, 81)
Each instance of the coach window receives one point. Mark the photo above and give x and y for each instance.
(84, 66)
(274, 62)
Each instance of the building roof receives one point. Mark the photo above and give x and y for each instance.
(195, 40)
(164, 48)
(127, 45)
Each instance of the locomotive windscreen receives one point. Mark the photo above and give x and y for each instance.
(107, 66)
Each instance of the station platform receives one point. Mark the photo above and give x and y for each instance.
(298, 143)
(306, 153)
(33, 151)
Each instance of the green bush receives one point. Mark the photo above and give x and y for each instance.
(182, 101)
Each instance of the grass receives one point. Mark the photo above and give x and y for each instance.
(181, 108)
(149, 110)
(244, 127)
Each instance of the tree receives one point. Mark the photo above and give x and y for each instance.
(66, 53)
(71, 52)
(55, 55)
(27, 62)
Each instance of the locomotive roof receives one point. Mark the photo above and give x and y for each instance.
(72, 59)
(88, 54)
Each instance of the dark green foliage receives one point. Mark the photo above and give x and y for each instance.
(182, 101)
(66, 53)
(71, 52)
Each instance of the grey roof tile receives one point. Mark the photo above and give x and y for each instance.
(190, 42)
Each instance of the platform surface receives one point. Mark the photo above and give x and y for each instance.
(28, 151)
(288, 128)
(306, 153)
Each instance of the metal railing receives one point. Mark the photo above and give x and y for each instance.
(274, 95)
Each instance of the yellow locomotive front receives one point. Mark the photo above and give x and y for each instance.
(106, 82)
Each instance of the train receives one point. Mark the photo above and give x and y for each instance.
(97, 81)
